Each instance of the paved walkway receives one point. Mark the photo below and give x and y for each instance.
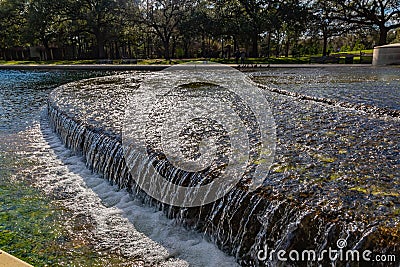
(7, 260)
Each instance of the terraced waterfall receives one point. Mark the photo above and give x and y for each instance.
(335, 175)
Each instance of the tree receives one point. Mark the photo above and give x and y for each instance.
(293, 17)
(101, 18)
(163, 16)
(197, 25)
(325, 23)
(43, 20)
(231, 20)
(12, 23)
(257, 12)
(381, 14)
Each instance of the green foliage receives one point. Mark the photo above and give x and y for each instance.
(358, 46)
(90, 29)
(383, 15)
(345, 48)
(12, 23)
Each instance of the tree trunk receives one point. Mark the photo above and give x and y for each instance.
(235, 44)
(101, 54)
(277, 47)
(325, 46)
(166, 49)
(111, 51)
(269, 45)
(80, 48)
(383, 32)
(173, 52)
(222, 48)
(117, 52)
(129, 49)
(203, 45)
(254, 50)
(287, 47)
(46, 48)
(186, 49)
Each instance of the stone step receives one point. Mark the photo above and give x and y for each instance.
(7, 260)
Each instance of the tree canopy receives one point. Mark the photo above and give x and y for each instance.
(88, 29)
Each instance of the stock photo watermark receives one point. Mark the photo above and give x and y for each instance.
(340, 253)
(194, 131)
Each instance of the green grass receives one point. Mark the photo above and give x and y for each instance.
(272, 60)
(280, 60)
(47, 62)
(164, 61)
(366, 51)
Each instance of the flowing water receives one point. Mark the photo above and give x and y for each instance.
(335, 174)
(359, 85)
(56, 212)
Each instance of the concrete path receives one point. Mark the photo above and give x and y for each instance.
(7, 260)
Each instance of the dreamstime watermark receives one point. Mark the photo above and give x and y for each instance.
(332, 254)
(193, 131)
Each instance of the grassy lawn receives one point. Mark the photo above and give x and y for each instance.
(367, 51)
(272, 60)
(280, 60)
(47, 62)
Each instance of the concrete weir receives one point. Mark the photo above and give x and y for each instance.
(386, 55)
(287, 213)
(7, 260)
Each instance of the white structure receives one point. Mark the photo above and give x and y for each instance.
(386, 55)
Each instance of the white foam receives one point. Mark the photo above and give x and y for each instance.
(121, 223)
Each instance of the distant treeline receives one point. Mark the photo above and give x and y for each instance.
(89, 29)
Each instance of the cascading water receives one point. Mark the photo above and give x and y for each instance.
(56, 212)
(309, 201)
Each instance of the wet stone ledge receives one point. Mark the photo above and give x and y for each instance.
(335, 174)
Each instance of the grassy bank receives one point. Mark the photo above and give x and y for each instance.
(47, 62)
(282, 60)
(272, 60)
